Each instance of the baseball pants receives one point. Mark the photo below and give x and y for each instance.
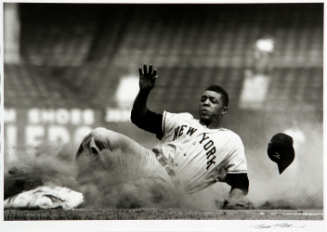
(120, 153)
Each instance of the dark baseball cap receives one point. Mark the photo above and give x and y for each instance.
(280, 150)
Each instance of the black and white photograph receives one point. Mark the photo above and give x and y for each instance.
(127, 115)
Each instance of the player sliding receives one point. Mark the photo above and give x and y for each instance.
(191, 155)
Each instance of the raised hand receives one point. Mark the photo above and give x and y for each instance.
(147, 77)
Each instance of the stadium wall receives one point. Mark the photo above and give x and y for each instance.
(74, 56)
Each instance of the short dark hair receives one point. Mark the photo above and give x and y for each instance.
(223, 93)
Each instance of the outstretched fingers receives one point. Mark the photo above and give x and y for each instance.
(141, 72)
(145, 68)
(148, 76)
(154, 74)
(151, 72)
(150, 69)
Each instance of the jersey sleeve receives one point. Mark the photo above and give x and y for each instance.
(171, 120)
(239, 180)
(150, 122)
(237, 156)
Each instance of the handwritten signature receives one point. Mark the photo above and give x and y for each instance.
(282, 225)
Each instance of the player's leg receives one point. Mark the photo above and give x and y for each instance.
(102, 142)
(121, 156)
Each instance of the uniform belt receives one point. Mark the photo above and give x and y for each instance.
(165, 164)
(171, 173)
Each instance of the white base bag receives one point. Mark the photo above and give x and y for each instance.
(45, 197)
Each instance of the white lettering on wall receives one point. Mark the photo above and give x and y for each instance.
(60, 116)
(88, 117)
(118, 115)
(33, 116)
(34, 134)
(76, 116)
(41, 125)
(9, 115)
(11, 141)
(48, 116)
(58, 134)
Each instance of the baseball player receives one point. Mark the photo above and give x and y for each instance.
(192, 154)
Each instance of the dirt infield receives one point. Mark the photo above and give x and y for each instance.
(161, 214)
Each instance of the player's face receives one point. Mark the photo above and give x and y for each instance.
(211, 108)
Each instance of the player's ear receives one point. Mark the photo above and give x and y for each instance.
(224, 111)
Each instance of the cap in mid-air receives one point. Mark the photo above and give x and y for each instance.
(280, 150)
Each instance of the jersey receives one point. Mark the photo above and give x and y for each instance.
(196, 153)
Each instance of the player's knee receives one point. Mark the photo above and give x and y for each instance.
(103, 138)
(100, 133)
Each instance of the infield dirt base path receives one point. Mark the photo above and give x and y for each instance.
(162, 214)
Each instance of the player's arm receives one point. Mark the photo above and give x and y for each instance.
(235, 175)
(238, 181)
(141, 116)
(239, 189)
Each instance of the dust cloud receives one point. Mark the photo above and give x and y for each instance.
(102, 185)
(299, 186)
(48, 165)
